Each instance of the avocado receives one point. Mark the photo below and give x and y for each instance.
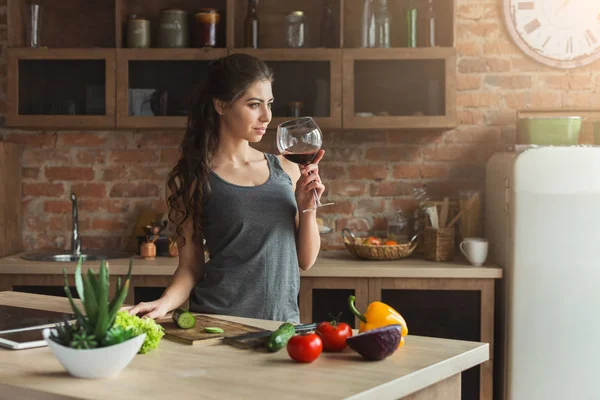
(378, 343)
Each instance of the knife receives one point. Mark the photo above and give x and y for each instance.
(264, 334)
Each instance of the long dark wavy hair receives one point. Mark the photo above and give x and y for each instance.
(228, 79)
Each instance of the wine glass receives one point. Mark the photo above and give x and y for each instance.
(299, 140)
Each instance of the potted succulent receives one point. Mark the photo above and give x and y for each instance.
(93, 346)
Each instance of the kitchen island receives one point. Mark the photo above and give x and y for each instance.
(335, 271)
(425, 368)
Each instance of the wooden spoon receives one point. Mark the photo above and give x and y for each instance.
(468, 207)
(444, 212)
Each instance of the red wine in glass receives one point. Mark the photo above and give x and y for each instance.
(300, 158)
(299, 140)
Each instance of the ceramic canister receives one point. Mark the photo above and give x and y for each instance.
(138, 33)
(173, 29)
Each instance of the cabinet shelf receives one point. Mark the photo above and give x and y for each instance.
(399, 88)
(150, 9)
(171, 54)
(170, 71)
(342, 87)
(312, 76)
(444, 25)
(272, 22)
(66, 23)
(67, 88)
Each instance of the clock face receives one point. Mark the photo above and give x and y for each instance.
(559, 33)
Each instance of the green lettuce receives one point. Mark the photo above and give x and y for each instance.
(154, 332)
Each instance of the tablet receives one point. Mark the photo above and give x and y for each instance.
(24, 338)
(14, 317)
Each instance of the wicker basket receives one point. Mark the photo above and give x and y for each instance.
(439, 244)
(424, 221)
(381, 253)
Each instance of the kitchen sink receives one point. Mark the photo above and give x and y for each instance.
(64, 256)
(76, 251)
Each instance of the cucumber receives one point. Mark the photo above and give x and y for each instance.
(212, 329)
(278, 339)
(183, 318)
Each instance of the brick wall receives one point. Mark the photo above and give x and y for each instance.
(368, 173)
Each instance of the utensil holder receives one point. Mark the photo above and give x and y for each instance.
(425, 223)
(439, 244)
(148, 251)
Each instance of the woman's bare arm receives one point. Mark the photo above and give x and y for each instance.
(188, 273)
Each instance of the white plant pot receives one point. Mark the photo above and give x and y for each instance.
(102, 362)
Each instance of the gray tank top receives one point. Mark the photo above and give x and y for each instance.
(250, 234)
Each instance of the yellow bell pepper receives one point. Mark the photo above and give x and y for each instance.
(378, 315)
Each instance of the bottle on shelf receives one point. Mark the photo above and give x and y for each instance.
(368, 25)
(411, 23)
(251, 25)
(382, 25)
(429, 20)
(328, 34)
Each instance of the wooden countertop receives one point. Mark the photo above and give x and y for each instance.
(334, 263)
(219, 371)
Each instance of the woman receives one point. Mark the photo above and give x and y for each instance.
(243, 202)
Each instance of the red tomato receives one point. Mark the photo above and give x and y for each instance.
(334, 335)
(305, 348)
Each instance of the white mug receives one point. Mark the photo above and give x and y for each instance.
(475, 249)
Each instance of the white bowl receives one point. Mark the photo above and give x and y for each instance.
(102, 362)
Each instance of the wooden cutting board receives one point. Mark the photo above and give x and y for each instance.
(197, 335)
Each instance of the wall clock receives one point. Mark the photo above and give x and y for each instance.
(559, 33)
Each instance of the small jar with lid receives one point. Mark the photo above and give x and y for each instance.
(206, 27)
(173, 30)
(138, 32)
(295, 29)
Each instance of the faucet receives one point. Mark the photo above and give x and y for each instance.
(75, 241)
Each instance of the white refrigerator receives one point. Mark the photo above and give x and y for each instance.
(542, 220)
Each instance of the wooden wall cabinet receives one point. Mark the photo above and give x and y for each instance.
(67, 88)
(444, 25)
(399, 88)
(150, 9)
(65, 24)
(272, 22)
(312, 76)
(169, 71)
(342, 86)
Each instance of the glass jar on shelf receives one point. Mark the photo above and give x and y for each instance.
(206, 21)
(397, 228)
(295, 29)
